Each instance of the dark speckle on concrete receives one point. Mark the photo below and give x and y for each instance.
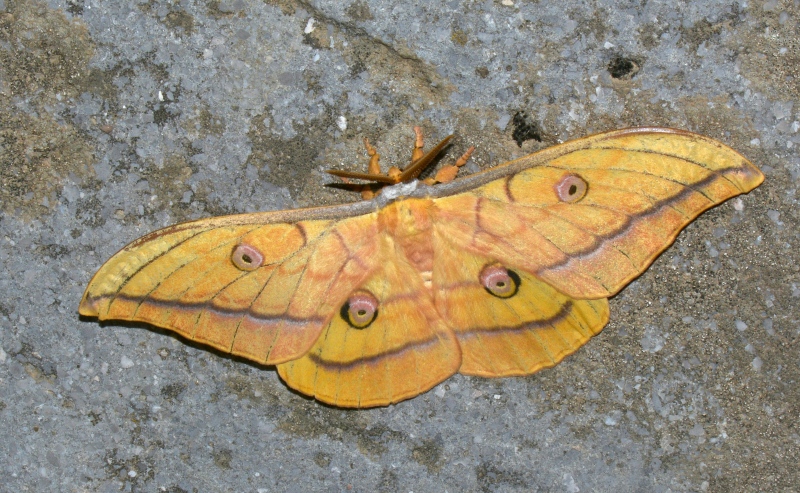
(117, 118)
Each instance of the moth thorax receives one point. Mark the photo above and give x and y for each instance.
(409, 223)
(408, 217)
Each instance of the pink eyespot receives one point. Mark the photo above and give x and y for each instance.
(247, 258)
(571, 188)
(499, 281)
(360, 310)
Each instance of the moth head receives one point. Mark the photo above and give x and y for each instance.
(360, 310)
(499, 281)
(247, 258)
(571, 188)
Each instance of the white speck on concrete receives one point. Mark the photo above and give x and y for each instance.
(652, 341)
(309, 26)
(569, 483)
(697, 431)
(613, 418)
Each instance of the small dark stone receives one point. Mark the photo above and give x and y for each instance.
(525, 128)
(623, 68)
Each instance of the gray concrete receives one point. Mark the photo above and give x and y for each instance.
(121, 117)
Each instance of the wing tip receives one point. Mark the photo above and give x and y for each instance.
(89, 307)
(750, 176)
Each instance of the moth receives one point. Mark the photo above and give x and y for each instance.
(500, 273)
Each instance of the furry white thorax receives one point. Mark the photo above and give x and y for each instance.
(391, 193)
(399, 190)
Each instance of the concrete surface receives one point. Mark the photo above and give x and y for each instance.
(120, 117)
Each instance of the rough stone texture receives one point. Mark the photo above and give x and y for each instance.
(117, 118)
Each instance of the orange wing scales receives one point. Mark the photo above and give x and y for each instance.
(502, 274)
(406, 351)
(640, 239)
(521, 219)
(186, 282)
(534, 329)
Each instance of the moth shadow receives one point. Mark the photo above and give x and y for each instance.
(353, 187)
(205, 348)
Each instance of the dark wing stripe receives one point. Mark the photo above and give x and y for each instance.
(225, 312)
(511, 247)
(249, 308)
(178, 268)
(532, 227)
(627, 225)
(150, 261)
(532, 325)
(372, 360)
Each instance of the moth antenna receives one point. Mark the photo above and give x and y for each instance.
(420, 164)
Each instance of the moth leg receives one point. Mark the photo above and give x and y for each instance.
(448, 173)
(418, 144)
(367, 191)
(374, 168)
(417, 152)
